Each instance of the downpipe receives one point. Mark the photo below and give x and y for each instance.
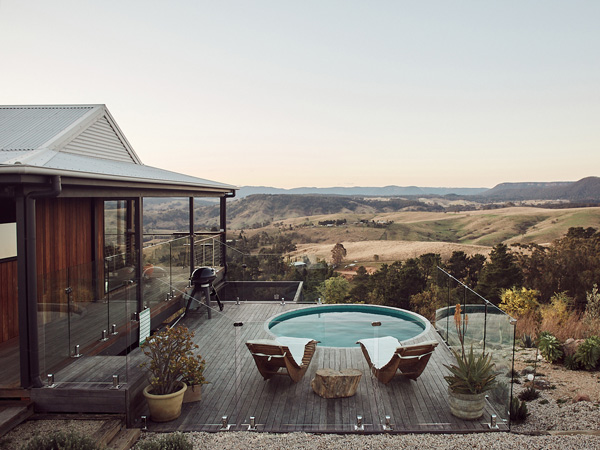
(31, 254)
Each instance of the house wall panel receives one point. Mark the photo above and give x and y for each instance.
(99, 141)
(64, 250)
(9, 316)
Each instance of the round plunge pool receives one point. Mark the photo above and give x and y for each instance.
(343, 324)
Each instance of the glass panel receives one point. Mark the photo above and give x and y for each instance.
(82, 329)
(484, 327)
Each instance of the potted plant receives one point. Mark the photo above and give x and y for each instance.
(193, 377)
(470, 378)
(171, 354)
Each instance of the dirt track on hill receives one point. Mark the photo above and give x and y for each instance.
(364, 251)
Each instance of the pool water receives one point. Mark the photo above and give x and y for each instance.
(343, 325)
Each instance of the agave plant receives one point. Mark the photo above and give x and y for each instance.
(588, 353)
(471, 374)
(550, 347)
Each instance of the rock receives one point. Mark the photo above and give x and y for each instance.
(330, 383)
(581, 398)
(528, 369)
(571, 345)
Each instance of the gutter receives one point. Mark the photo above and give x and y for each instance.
(31, 270)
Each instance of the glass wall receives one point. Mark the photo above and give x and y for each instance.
(482, 326)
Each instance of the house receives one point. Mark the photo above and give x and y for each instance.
(73, 268)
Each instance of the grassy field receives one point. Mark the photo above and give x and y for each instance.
(408, 234)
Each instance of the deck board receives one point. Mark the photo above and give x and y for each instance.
(279, 405)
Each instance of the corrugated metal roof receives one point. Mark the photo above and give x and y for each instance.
(78, 141)
(83, 164)
(29, 127)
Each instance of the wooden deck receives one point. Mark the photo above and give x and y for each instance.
(238, 391)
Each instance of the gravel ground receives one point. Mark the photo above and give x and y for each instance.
(303, 441)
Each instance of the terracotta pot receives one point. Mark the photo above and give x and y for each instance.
(193, 393)
(164, 408)
(466, 406)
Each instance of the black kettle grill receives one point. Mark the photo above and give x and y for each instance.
(202, 280)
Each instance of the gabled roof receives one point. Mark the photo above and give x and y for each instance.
(84, 145)
(85, 130)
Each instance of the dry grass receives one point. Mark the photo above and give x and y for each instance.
(575, 326)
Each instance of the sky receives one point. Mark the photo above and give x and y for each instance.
(324, 93)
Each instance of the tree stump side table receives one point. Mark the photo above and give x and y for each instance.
(330, 383)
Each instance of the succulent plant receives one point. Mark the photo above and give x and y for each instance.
(471, 374)
(550, 347)
(588, 353)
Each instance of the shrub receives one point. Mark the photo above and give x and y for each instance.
(550, 347)
(61, 440)
(529, 394)
(518, 410)
(571, 363)
(588, 353)
(172, 441)
(592, 307)
(519, 302)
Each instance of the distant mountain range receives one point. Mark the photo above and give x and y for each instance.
(386, 191)
(586, 189)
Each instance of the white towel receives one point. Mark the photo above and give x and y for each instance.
(296, 346)
(381, 350)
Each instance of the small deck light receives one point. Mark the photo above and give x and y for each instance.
(359, 424)
(104, 336)
(144, 423)
(237, 300)
(76, 353)
(113, 329)
(282, 301)
(115, 382)
(135, 316)
(252, 426)
(493, 421)
(319, 301)
(388, 424)
(225, 424)
(50, 378)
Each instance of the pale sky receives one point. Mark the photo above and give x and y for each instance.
(325, 93)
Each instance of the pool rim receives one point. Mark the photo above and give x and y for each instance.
(419, 317)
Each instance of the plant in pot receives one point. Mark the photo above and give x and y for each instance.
(193, 377)
(470, 378)
(171, 357)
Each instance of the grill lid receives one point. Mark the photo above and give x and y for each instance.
(203, 275)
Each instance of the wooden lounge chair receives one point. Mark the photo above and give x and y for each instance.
(386, 357)
(291, 354)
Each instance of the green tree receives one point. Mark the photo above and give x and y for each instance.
(500, 272)
(338, 253)
(335, 290)
(360, 286)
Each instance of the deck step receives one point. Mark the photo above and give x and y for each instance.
(107, 432)
(125, 439)
(13, 414)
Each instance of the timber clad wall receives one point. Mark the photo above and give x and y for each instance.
(64, 253)
(9, 316)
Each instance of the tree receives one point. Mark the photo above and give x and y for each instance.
(338, 253)
(361, 286)
(500, 272)
(335, 290)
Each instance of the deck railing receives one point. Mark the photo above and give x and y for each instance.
(483, 326)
